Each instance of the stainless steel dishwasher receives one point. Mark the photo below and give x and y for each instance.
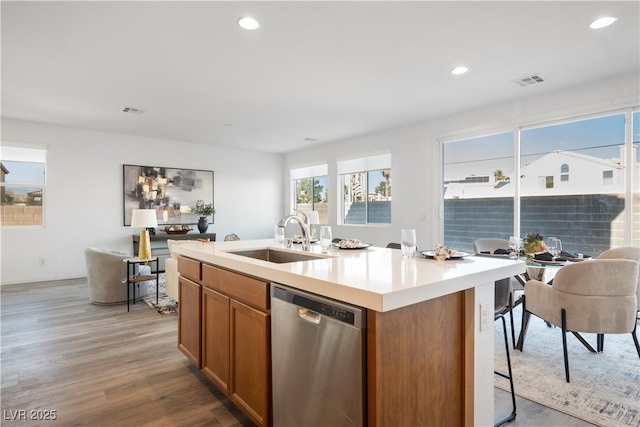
(317, 359)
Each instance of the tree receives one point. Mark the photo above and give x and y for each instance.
(304, 193)
(384, 188)
(499, 175)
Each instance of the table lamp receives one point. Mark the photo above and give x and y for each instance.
(314, 219)
(144, 218)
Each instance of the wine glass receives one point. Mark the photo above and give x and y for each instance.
(552, 244)
(558, 247)
(408, 242)
(325, 237)
(514, 243)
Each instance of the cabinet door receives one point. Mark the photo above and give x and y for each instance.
(189, 326)
(215, 338)
(251, 362)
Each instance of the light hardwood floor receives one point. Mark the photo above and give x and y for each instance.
(101, 366)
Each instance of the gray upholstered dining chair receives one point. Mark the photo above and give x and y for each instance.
(625, 252)
(489, 245)
(392, 245)
(503, 305)
(597, 296)
(231, 237)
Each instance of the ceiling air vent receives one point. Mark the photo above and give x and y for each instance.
(131, 110)
(529, 80)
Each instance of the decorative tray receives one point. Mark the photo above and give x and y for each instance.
(177, 230)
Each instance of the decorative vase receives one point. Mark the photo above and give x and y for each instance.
(203, 224)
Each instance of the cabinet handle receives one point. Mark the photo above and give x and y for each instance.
(309, 315)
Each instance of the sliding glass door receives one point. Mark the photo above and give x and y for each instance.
(478, 189)
(576, 180)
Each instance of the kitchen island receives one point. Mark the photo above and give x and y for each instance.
(429, 336)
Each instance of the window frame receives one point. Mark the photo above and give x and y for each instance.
(310, 172)
(630, 112)
(362, 165)
(32, 155)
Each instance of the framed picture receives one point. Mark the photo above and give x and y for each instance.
(171, 192)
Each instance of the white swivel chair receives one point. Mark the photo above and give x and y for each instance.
(105, 273)
(171, 269)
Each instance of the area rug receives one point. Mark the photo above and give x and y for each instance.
(165, 305)
(604, 388)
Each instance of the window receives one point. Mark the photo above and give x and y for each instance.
(366, 187)
(591, 212)
(310, 192)
(22, 186)
(478, 189)
(548, 182)
(564, 172)
(585, 213)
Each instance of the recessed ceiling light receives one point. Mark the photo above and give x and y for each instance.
(248, 23)
(459, 70)
(603, 22)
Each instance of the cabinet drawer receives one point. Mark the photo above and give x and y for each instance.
(190, 268)
(252, 291)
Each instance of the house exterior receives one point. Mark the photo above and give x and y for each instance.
(554, 174)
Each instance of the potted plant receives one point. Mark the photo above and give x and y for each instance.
(203, 210)
(533, 243)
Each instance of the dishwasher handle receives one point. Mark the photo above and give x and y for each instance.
(313, 307)
(309, 315)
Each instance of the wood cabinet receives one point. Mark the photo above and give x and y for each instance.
(251, 362)
(189, 323)
(419, 358)
(216, 338)
(224, 328)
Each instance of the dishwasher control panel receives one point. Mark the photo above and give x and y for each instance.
(320, 305)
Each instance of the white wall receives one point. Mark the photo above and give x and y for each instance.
(415, 152)
(84, 200)
(84, 181)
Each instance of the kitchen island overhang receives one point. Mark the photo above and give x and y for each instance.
(375, 278)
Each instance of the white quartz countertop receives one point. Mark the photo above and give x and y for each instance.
(376, 278)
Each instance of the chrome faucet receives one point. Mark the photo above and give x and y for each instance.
(306, 245)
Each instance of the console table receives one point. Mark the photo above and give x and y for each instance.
(160, 247)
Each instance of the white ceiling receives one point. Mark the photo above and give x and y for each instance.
(321, 70)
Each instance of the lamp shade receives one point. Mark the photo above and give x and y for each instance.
(314, 218)
(144, 218)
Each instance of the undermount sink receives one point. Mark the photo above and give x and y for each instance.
(277, 256)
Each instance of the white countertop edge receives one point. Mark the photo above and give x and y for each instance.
(216, 253)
